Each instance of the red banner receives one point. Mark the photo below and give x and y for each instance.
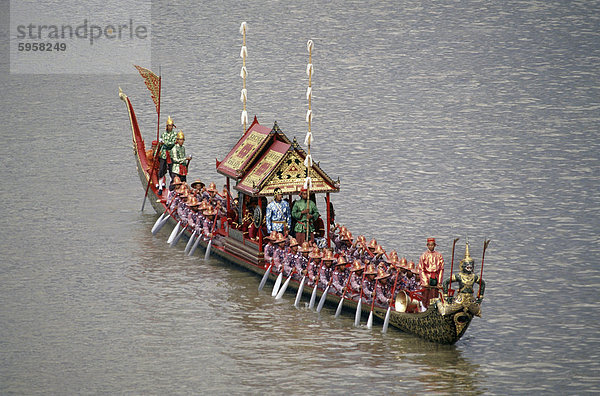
(153, 83)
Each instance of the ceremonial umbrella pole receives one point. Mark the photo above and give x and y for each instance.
(244, 74)
(450, 290)
(308, 139)
(485, 245)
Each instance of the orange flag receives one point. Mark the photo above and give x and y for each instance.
(153, 83)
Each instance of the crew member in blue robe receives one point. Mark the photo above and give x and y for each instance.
(278, 216)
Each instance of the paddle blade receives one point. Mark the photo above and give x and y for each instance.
(190, 243)
(207, 253)
(370, 321)
(277, 284)
(299, 294)
(357, 315)
(313, 298)
(174, 233)
(322, 300)
(338, 311)
(386, 321)
(161, 224)
(193, 249)
(177, 237)
(158, 221)
(264, 278)
(283, 288)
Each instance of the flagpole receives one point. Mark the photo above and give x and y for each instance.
(308, 140)
(244, 74)
(158, 107)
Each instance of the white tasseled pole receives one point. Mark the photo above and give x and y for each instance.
(308, 140)
(244, 74)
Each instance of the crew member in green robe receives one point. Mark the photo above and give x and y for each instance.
(167, 141)
(305, 212)
(179, 159)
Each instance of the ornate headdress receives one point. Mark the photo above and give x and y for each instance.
(467, 258)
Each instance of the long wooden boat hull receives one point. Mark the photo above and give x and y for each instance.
(430, 325)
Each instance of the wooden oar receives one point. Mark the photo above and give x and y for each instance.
(324, 296)
(373, 295)
(386, 321)
(193, 249)
(299, 294)
(207, 253)
(162, 223)
(277, 284)
(301, 288)
(265, 277)
(338, 311)
(359, 305)
(178, 236)
(158, 225)
(158, 221)
(174, 232)
(151, 173)
(313, 296)
(285, 285)
(190, 243)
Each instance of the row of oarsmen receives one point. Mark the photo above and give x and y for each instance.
(195, 206)
(348, 269)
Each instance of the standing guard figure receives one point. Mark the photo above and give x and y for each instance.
(431, 265)
(167, 141)
(466, 280)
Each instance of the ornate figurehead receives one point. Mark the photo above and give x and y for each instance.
(466, 281)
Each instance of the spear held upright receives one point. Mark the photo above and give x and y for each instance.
(485, 245)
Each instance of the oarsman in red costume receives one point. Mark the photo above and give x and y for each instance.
(431, 265)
